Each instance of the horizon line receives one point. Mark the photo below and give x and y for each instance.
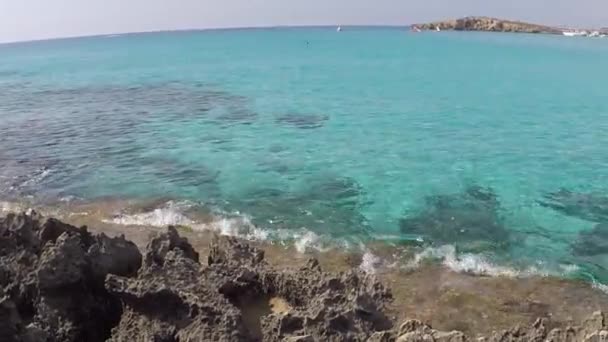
(227, 28)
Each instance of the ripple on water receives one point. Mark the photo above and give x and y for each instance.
(302, 121)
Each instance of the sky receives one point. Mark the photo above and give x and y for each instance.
(41, 19)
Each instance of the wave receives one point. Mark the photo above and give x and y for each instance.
(481, 265)
(18, 183)
(600, 286)
(172, 214)
(233, 224)
(239, 225)
(6, 207)
(370, 263)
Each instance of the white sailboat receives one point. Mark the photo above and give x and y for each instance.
(339, 29)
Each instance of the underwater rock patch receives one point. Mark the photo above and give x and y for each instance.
(302, 121)
(469, 220)
(238, 115)
(330, 206)
(586, 206)
(593, 242)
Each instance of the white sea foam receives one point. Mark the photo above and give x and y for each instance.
(238, 225)
(600, 286)
(307, 241)
(10, 207)
(172, 215)
(38, 177)
(370, 263)
(159, 217)
(471, 263)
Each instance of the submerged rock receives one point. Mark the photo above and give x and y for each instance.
(470, 220)
(593, 242)
(331, 205)
(590, 207)
(302, 121)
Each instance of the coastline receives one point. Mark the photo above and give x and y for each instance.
(488, 24)
(430, 292)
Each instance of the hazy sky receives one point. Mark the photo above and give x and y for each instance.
(38, 19)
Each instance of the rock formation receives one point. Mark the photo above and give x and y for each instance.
(488, 24)
(61, 283)
(51, 280)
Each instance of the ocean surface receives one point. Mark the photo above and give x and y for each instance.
(486, 151)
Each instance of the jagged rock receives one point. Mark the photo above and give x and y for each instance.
(114, 256)
(49, 276)
(168, 301)
(9, 320)
(52, 229)
(230, 250)
(162, 244)
(61, 264)
(60, 283)
(303, 338)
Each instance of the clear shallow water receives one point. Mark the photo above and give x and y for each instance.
(371, 134)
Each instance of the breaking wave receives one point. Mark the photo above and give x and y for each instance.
(227, 224)
(303, 240)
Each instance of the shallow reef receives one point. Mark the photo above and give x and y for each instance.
(586, 206)
(302, 121)
(470, 220)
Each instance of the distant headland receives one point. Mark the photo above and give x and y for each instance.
(488, 24)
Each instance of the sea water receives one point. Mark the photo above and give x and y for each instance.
(488, 151)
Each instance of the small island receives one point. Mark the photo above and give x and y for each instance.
(487, 24)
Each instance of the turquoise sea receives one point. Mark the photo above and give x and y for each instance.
(491, 146)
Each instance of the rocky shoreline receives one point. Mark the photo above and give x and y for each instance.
(63, 283)
(488, 24)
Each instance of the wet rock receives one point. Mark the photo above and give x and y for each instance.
(470, 220)
(586, 206)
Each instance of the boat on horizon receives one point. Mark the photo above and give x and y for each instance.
(575, 33)
(339, 29)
